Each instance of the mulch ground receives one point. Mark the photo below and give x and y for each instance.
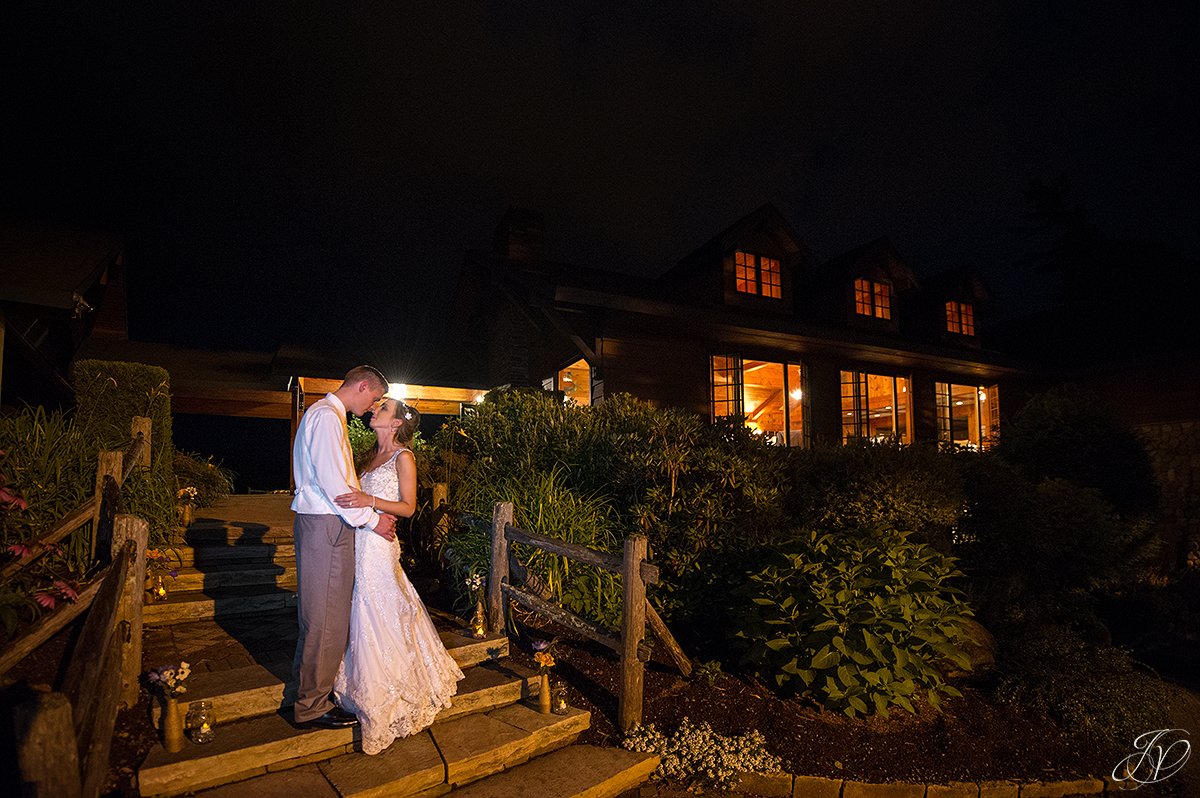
(973, 739)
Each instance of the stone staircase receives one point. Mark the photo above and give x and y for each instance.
(230, 614)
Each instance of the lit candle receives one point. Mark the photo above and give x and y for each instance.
(204, 727)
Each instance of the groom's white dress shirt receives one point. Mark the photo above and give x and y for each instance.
(324, 465)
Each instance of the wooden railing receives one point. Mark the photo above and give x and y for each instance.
(63, 738)
(635, 573)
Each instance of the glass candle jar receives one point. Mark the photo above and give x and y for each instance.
(558, 699)
(201, 722)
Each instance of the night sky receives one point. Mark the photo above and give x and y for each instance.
(313, 174)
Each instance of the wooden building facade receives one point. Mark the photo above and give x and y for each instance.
(750, 324)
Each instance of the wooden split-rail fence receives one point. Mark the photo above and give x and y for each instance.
(63, 738)
(636, 573)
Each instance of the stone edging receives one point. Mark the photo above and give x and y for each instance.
(787, 785)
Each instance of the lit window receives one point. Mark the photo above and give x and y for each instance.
(575, 382)
(960, 318)
(968, 415)
(758, 274)
(875, 407)
(872, 299)
(769, 395)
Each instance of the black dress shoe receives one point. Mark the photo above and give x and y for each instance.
(336, 718)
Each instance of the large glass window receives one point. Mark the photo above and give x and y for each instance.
(768, 394)
(968, 415)
(758, 274)
(876, 407)
(873, 299)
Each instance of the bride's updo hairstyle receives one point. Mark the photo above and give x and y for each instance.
(410, 422)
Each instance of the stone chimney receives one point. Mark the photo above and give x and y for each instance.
(521, 236)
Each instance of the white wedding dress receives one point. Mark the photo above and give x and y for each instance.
(396, 675)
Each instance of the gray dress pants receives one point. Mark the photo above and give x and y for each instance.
(325, 575)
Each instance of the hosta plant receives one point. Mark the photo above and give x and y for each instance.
(861, 621)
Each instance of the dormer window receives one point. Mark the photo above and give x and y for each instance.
(758, 274)
(960, 318)
(872, 299)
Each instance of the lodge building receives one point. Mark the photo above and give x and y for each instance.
(750, 324)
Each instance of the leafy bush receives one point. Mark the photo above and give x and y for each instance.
(50, 461)
(108, 395)
(696, 491)
(1096, 692)
(696, 755)
(860, 620)
(1064, 433)
(1023, 540)
(211, 481)
(362, 438)
(875, 484)
(542, 504)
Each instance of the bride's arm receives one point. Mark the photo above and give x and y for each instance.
(406, 471)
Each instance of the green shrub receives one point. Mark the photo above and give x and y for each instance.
(860, 620)
(1024, 541)
(362, 438)
(880, 485)
(542, 504)
(50, 461)
(108, 395)
(211, 481)
(1064, 433)
(1095, 692)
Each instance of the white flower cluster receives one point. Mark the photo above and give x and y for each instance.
(697, 754)
(474, 582)
(170, 680)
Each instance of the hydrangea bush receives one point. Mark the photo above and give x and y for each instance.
(698, 755)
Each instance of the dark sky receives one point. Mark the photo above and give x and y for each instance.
(283, 161)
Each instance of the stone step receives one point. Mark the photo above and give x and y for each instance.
(470, 748)
(182, 606)
(255, 690)
(576, 771)
(220, 532)
(449, 753)
(281, 573)
(218, 553)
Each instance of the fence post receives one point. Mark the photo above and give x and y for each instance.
(125, 528)
(47, 753)
(502, 515)
(110, 465)
(633, 630)
(141, 424)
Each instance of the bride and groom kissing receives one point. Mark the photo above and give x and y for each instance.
(367, 652)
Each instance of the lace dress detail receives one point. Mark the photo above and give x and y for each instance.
(396, 675)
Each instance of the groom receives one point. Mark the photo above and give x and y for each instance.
(324, 535)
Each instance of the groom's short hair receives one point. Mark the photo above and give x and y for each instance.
(369, 373)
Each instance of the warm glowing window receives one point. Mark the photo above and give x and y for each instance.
(875, 407)
(960, 318)
(968, 415)
(872, 299)
(758, 274)
(769, 395)
(575, 382)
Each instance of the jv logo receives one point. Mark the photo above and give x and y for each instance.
(1158, 755)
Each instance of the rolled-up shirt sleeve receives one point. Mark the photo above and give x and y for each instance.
(333, 469)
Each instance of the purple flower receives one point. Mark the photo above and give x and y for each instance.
(154, 677)
(540, 645)
(174, 572)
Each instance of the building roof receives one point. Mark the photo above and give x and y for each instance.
(49, 266)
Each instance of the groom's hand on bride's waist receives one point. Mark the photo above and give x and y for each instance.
(385, 526)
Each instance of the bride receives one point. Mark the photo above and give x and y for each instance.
(396, 675)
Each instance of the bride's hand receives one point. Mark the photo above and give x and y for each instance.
(355, 498)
